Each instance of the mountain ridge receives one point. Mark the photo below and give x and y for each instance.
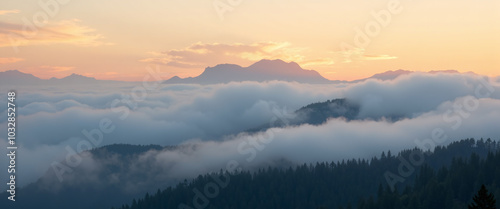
(16, 77)
(261, 71)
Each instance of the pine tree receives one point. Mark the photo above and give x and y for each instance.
(483, 200)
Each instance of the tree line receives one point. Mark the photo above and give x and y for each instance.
(449, 178)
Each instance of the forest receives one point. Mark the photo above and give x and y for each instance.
(449, 178)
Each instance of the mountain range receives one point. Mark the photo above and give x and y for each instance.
(261, 71)
(16, 77)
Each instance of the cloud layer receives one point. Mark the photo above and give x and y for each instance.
(66, 31)
(6, 12)
(207, 120)
(200, 55)
(7, 60)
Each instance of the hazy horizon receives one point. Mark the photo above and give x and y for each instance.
(340, 40)
(388, 72)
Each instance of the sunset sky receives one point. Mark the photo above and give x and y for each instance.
(118, 39)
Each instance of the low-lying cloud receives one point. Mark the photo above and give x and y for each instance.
(208, 120)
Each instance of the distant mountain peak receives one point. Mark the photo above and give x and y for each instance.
(272, 62)
(389, 75)
(274, 65)
(223, 67)
(17, 72)
(14, 71)
(443, 71)
(78, 77)
(74, 75)
(263, 70)
(16, 77)
(393, 74)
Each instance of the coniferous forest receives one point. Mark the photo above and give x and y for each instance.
(449, 177)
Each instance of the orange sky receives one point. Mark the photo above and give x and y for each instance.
(343, 40)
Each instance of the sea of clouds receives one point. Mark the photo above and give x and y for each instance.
(208, 121)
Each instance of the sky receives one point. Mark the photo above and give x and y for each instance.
(342, 40)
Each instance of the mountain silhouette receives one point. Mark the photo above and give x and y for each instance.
(18, 78)
(391, 75)
(264, 70)
(12, 77)
(73, 79)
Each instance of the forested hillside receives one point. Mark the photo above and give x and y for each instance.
(317, 114)
(448, 178)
